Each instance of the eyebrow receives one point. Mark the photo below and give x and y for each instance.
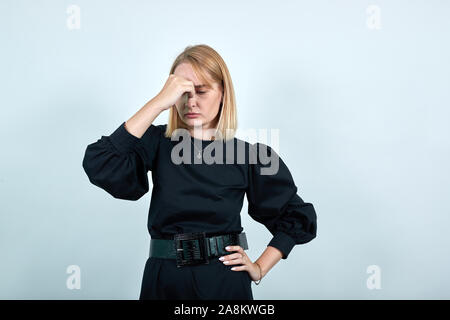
(201, 86)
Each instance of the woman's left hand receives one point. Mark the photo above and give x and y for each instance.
(241, 258)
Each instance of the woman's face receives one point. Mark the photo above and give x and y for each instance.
(205, 102)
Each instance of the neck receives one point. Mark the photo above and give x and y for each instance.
(201, 132)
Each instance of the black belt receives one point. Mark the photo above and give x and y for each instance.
(195, 248)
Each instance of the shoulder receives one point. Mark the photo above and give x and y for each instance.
(154, 133)
(256, 147)
(254, 153)
(157, 129)
(161, 128)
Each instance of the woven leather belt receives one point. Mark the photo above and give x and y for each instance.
(195, 248)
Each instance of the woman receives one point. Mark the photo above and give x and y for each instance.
(195, 207)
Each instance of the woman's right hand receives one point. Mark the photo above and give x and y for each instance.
(173, 89)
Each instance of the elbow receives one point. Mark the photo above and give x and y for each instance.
(88, 167)
(117, 186)
(309, 223)
(121, 177)
(132, 195)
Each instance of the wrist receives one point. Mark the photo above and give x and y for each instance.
(155, 105)
(260, 274)
(260, 271)
(261, 268)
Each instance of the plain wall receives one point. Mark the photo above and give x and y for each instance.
(363, 118)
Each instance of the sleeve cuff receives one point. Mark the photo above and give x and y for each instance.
(283, 242)
(123, 140)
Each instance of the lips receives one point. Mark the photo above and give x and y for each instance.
(191, 115)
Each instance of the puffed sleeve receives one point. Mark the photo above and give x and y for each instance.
(274, 202)
(119, 163)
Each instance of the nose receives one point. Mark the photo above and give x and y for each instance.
(191, 102)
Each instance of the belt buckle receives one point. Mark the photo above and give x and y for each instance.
(191, 248)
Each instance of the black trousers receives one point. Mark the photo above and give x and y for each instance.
(162, 279)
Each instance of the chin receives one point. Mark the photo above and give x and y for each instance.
(193, 122)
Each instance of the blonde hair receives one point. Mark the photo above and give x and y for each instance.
(206, 61)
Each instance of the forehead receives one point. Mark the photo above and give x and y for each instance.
(185, 70)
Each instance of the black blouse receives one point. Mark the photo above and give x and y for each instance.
(192, 197)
